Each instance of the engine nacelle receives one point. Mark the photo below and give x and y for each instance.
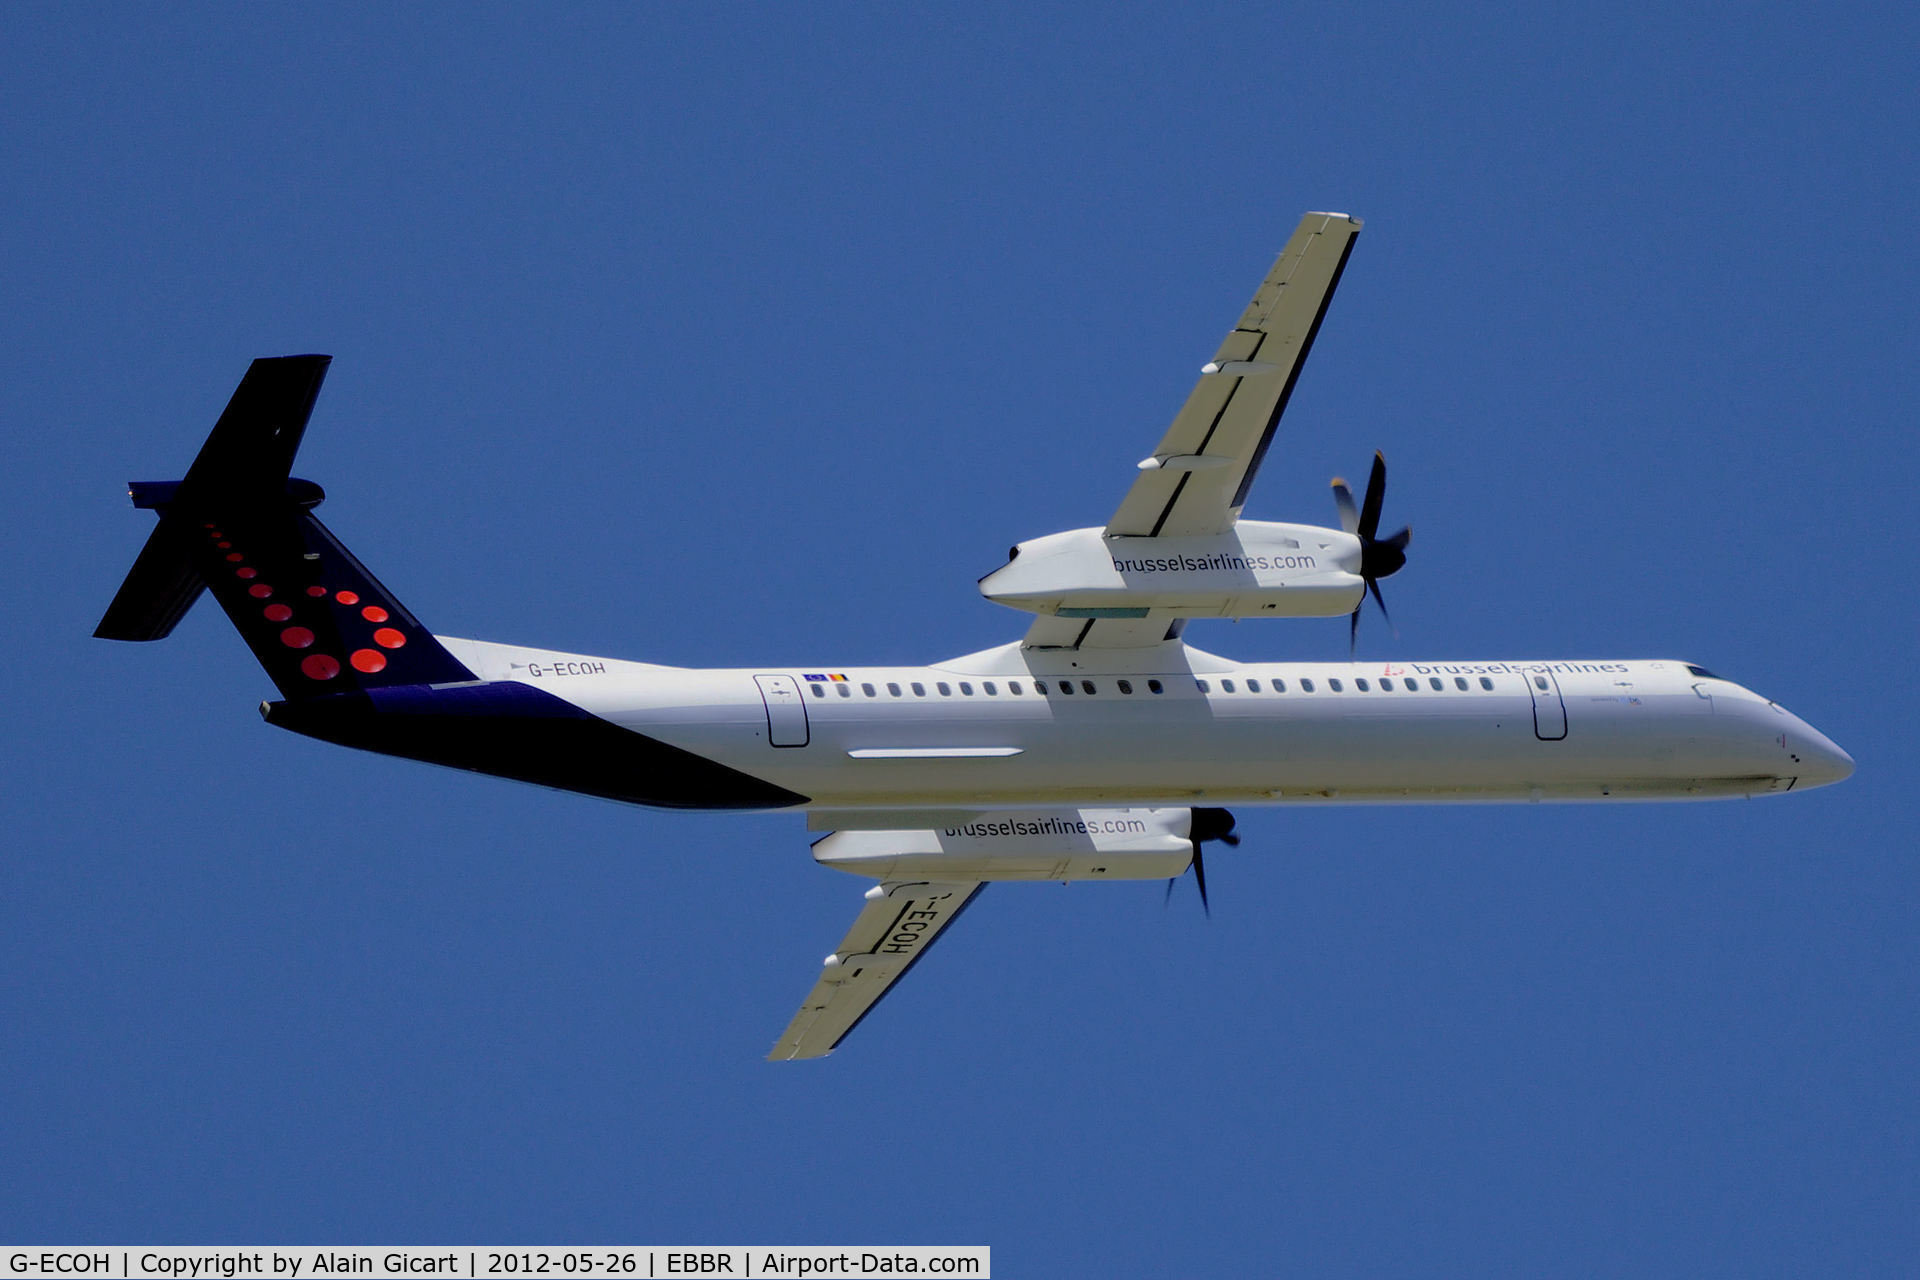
(1048, 844)
(1258, 570)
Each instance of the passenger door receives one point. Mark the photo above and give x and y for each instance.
(786, 713)
(1549, 712)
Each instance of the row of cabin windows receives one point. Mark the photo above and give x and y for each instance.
(1014, 687)
(988, 687)
(1360, 683)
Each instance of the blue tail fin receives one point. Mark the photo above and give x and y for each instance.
(240, 526)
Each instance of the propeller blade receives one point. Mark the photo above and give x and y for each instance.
(1207, 824)
(1380, 600)
(1343, 499)
(1376, 495)
(1379, 557)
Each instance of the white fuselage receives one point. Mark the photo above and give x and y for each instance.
(978, 732)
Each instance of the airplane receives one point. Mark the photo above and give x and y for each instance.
(1101, 746)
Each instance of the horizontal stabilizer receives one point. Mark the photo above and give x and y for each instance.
(249, 451)
(251, 447)
(239, 524)
(160, 588)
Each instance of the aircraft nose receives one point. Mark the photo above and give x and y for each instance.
(1821, 760)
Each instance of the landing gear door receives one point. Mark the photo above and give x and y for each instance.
(1549, 712)
(786, 713)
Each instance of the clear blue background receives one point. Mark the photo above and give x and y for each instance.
(753, 335)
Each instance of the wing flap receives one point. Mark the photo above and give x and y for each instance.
(899, 922)
(1050, 631)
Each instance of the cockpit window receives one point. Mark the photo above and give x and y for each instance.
(1703, 673)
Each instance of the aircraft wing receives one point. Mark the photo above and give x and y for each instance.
(1196, 481)
(893, 930)
(1209, 455)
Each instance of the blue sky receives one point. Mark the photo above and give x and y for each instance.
(756, 335)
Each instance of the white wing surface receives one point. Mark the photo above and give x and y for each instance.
(894, 929)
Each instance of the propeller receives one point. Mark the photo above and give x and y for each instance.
(1208, 824)
(1379, 557)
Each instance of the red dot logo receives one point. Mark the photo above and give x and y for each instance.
(318, 666)
(259, 591)
(277, 613)
(296, 637)
(347, 597)
(388, 638)
(374, 613)
(368, 660)
(316, 592)
(244, 574)
(224, 546)
(234, 557)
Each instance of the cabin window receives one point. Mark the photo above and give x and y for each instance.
(966, 690)
(1253, 686)
(990, 687)
(1279, 685)
(1226, 686)
(1361, 685)
(1013, 687)
(893, 690)
(1066, 686)
(1486, 683)
(1086, 687)
(845, 689)
(869, 690)
(1460, 682)
(1540, 682)
(1203, 686)
(819, 690)
(919, 690)
(1333, 683)
(1126, 686)
(1434, 683)
(1155, 686)
(946, 690)
(1306, 686)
